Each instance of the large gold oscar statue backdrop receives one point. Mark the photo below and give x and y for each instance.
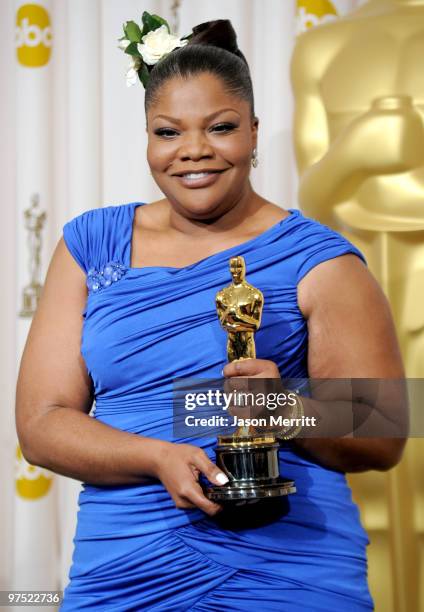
(359, 138)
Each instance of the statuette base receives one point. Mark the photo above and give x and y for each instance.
(231, 492)
(252, 466)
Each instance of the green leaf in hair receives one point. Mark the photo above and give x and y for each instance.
(161, 21)
(132, 31)
(132, 49)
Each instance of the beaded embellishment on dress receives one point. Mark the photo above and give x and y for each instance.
(111, 272)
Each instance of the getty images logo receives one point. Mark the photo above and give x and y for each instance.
(33, 35)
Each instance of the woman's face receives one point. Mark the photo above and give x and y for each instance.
(200, 143)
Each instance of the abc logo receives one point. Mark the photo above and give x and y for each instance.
(32, 482)
(33, 35)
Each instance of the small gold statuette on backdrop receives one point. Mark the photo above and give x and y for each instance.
(34, 223)
(247, 457)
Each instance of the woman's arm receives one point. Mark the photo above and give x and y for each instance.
(54, 396)
(54, 393)
(352, 336)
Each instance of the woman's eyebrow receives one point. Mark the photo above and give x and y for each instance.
(173, 120)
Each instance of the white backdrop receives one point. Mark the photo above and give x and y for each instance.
(74, 133)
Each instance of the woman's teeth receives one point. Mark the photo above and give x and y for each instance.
(196, 175)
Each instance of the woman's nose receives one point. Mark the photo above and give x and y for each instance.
(195, 147)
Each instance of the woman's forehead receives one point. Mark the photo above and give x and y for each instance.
(202, 93)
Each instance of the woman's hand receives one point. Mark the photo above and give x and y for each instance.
(238, 373)
(252, 368)
(178, 468)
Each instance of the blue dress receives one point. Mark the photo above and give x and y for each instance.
(143, 327)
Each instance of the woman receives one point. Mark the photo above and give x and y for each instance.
(147, 537)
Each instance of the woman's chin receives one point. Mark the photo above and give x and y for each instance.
(201, 208)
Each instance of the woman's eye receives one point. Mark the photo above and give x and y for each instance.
(169, 132)
(223, 127)
(165, 132)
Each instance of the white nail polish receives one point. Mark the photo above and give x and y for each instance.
(222, 478)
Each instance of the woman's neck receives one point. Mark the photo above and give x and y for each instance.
(219, 220)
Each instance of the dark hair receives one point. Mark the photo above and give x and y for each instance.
(212, 48)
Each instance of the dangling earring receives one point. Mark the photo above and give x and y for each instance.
(255, 159)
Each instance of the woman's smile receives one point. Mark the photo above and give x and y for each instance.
(196, 180)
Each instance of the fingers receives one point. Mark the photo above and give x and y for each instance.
(196, 472)
(236, 383)
(202, 462)
(190, 494)
(241, 367)
(179, 471)
(197, 497)
(261, 368)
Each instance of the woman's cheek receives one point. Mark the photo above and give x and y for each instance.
(237, 152)
(160, 159)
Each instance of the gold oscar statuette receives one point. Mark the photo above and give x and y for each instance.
(247, 457)
(34, 223)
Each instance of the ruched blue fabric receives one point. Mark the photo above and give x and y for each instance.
(133, 549)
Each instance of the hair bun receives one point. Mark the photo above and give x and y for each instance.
(219, 33)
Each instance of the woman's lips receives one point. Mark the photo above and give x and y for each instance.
(202, 181)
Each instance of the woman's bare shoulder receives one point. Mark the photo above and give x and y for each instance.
(268, 213)
(343, 280)
(152, 215)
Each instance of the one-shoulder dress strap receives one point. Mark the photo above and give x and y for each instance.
(101, 237)
(317, 243)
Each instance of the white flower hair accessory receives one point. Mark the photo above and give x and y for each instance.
(147, 45)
